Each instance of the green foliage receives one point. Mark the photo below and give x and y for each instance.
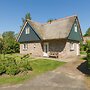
(2, 69)
(10, 66)
(27, 16)
(1, 45)
(12, 70)
(39, 66)
(83, 48)
(9, 44)
(88, 54)
(25, 56)
(50, 20)
(88, 44)
(87, 32)
(25, 64)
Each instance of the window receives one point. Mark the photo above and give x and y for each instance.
(75, 27)
(27, 30)
(25, 46)
(71, 46)
(34, 45)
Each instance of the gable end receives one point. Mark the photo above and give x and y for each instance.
(32, 36)
(75, 33)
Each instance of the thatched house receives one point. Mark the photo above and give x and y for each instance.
(59, 38)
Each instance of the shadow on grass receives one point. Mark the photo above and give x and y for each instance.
(84, 58)
(83, 68)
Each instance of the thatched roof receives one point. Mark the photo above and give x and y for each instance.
(55, 30)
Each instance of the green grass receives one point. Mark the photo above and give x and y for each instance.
(39, 66)
(83, 53)
(87, 81)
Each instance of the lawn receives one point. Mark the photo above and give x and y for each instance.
(87, 81)
(39, 66)
(83, 53)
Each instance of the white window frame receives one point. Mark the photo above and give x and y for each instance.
(46, 52)
(27, 30)
(25, 46)
(75, 27)
(72, 46)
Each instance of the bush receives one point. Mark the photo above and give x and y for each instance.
(24, 65)
(25, 56)
(9, 61)
(88, 54)
(88, 58)
(2, 69)
(12, 70)
(9, 65)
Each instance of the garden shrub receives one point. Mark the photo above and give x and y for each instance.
(8, 65)
(88, 57)
(10, 61)
(2, 69)
(24, 65)
(11, 66)
(25, 56)
(88, 54)
(12, 70)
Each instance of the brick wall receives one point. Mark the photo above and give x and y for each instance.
(35, 49)
(63, 48)
(60, 46)
(71, 53)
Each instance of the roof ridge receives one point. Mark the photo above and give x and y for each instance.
(34, 21)
(53, 20)
(60, 19)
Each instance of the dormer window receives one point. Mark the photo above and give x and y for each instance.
(75, 27)
(27, 30)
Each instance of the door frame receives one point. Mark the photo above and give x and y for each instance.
(78, 49)
(46, 49)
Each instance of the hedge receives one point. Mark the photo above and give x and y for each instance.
(9, 65)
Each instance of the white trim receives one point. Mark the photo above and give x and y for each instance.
(77, 49)
(21, 31)
(46, 49)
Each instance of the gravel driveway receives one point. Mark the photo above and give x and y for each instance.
(67, 77)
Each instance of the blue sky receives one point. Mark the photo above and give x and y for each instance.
(11, 12)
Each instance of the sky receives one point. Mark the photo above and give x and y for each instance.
(11, 12)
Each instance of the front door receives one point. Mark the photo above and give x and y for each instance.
(46, 49)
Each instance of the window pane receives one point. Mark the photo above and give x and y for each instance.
(75, 27)
(27, 30)
(25, 46)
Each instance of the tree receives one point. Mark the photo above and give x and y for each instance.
(9, 43)
(1, 45)
(87, 32)
(27, 16)
(50, 20)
